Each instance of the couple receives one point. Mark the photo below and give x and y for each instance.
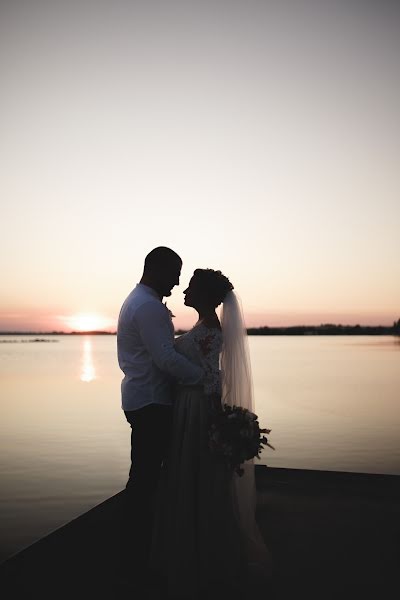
(187, 518)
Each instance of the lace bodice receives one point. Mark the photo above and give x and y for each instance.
(202, 346)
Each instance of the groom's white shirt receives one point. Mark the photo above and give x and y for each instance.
(146, 353)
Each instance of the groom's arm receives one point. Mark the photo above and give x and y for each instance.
(156, 333)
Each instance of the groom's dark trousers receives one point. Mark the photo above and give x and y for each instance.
(151, 427)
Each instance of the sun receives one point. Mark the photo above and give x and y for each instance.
(88, 322)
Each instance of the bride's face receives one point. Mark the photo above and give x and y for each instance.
(194, 296)
(189, 293)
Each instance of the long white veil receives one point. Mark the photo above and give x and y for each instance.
(237, 390)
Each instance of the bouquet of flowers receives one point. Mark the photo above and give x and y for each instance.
(235, 435)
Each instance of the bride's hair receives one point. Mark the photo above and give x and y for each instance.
(214, 284)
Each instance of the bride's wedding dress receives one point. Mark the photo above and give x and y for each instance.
(197, 539)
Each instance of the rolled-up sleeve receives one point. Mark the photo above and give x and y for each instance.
(155, 331)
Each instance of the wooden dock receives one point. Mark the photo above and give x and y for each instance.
(331, 535)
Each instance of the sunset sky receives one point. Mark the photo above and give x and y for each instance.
(261, 138)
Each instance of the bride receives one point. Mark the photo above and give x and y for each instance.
(206, 542)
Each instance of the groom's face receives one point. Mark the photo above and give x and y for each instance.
(169, 278)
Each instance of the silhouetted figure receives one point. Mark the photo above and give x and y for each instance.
(206, 543)
(146, 355)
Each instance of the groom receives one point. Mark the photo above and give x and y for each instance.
(146, 355)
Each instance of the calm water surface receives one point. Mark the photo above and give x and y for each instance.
(332, 403)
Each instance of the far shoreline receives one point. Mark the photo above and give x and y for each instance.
(294, 330)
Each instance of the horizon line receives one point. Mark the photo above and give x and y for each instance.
(105, 332)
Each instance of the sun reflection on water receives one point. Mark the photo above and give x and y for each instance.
(88, 372)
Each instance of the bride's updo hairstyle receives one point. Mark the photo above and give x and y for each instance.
(213, 284)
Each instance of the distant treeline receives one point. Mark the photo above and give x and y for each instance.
(327, 329)
(324, 329)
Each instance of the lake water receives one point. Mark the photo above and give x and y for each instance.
(333, 403)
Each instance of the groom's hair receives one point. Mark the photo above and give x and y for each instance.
(161, 258)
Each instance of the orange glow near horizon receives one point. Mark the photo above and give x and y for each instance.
(185, 319)
(88, 322)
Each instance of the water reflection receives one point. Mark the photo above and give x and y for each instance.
(88, 372)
